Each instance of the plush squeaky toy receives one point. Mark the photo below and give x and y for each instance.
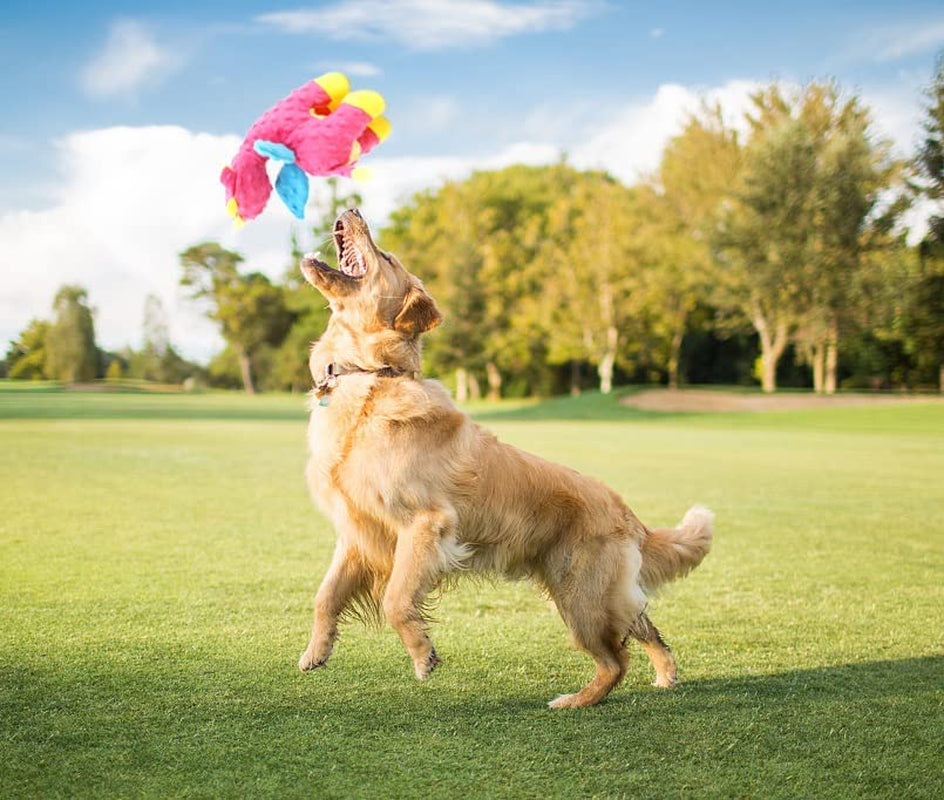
(320, 129)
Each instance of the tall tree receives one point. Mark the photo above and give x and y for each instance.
(852, 173)
(596, 261)
(249, 308)
(26, 358)
(927, 305)
(71, 353)
(477, 244)
(764, 240)
(148, 362)
(804, 211)
(695, 178)
(929, 162)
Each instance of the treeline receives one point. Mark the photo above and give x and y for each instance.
(63, 348)
(774, 257)
(770, 251)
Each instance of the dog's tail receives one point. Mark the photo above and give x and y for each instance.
(670, 553)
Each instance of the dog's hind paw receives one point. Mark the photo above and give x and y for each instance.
(563, 701)
(424, 668)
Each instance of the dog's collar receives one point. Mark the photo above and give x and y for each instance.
(332, 372)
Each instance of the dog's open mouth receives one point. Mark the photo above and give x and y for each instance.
(350, 259)
(352, 263)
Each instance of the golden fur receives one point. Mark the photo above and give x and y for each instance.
(418, 492)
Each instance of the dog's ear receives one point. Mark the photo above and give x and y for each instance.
(419, 313)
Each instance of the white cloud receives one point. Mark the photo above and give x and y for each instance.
(432, 24)
(908, 40)
(897, 117)
(356, 69)
(130, 60)
(396, 179)
(131, 200)
(630, 143)
(894, 42)
(423, 115)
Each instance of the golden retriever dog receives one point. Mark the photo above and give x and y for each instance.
(418, 492)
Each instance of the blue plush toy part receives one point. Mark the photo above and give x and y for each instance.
(292, 183)
(279, 152)
(292, 186)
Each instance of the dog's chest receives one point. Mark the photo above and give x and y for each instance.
(325, 438)
(334, 433)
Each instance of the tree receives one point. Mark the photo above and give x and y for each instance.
(477, 244)
(148, 362)
(249, 308)
(852, 174)
(927, 296)
(692, 186)
(929, 163)
(115, 371)
(763, 241)
(71, 353)
(26, 357)
(803, 213)
(594, 290)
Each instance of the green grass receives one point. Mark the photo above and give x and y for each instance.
(158, 555)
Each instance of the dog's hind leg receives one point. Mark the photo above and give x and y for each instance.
(417, 567)
(658, 651)
(585, 600)
(346, 577)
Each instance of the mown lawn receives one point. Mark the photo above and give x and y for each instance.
(158, 555)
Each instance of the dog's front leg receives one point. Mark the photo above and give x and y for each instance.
(418, 564)
(345, 578)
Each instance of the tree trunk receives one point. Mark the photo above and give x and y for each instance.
(494, 381)
(574, 378)
(475, 391)
(818, 350)
(832, 358)
(772, 346)
(605, 369)
(246, 368)
(674, 353)
(462, 385)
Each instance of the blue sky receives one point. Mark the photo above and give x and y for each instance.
(118, 115)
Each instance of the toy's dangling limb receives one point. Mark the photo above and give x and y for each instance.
(292, 183)
(247, 180)
(292, 186)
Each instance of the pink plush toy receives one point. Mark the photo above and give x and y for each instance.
(320, 129)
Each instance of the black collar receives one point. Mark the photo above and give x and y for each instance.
(333, 372)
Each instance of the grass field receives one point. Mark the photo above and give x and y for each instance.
(158, 555)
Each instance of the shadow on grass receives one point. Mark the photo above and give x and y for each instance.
(869, 728)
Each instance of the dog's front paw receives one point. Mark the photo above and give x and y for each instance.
(665, 682)
(424, 667)
(310, 660)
